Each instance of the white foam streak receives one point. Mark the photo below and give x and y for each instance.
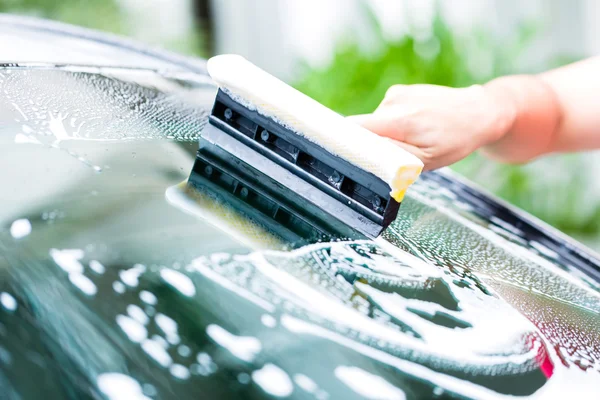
(459, 386)
(243, 347)
(179, 281)
(83, 283)
(131, 276)
(148, 297)
(135, 331)
(68, 259)
(368, 385)
(273, 380)
(117, 386)
(97, 267)
(138, 314)
(157, 352)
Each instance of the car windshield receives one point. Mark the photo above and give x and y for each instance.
(119, 282)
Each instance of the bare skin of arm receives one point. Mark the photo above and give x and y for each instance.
(513, 119)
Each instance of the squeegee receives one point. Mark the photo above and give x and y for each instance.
(294, 164)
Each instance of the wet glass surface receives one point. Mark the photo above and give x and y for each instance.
(118, 283)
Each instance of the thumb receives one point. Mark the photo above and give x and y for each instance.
(381, 124)
(389, 128)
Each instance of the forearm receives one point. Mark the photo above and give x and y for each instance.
(532, 118)
(552, 112)
(514, 119)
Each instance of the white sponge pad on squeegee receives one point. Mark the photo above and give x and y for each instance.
(255, 88)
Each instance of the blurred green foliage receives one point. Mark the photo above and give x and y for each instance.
(98, 14)
(556, 189)
(105, 15)
(355, 81)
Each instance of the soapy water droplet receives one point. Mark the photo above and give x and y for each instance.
(135, 331)
(273, 380)
(157, 352)
(5, 357)
(244, 378)
(118, 287)
(184, 351)
(243, 347)
(8, 301)
(97, 267)
(52, 215)
(205, 366)
(20, 228)
(131, 276)
(306, 383)
(149, 390)
(203, 358)
(166, 324)
(83, 283)
(148, 297)
(116, 386)
(150, 311)
(268, 320)
(68, 259)
(179, 371)
(137, 314)
(179, 281)
(160, 340)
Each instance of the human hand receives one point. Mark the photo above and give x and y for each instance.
(438, 124)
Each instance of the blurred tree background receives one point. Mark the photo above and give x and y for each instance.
(561, 190)
(97, 14)
(134, 18)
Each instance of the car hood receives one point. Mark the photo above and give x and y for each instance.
(117, 282)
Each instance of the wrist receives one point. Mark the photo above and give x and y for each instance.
(528, 118)
(503, 109)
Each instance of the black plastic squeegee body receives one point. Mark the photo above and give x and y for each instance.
(286, 170)
(364, 192)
